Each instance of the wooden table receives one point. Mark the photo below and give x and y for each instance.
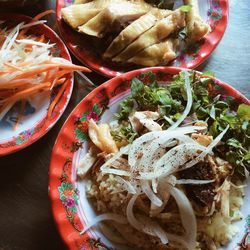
(26, 222)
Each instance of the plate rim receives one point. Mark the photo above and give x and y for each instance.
(107, 71)
(47, 125)
(67, 232)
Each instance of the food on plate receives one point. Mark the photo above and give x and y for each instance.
(137, 32)
(168, 171)
(29, 65)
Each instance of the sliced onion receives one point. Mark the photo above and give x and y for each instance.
(153, 228)
(150, 194)
(193, 182)
(170, 121)
(154, 184)
(173, 160)
(122, 151)
(143, 225)
(157, 148)
(126, 184)
(108, 216)
(116, 172)
(208, 150)
(189, 102)
(130, 214)
(187, 216)
(154, 210)
(141, 143)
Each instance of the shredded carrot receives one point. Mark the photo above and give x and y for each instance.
(40, 15)
(56, 99)
(35, 70)
(13, 66)
(37, 17)
(20, 114)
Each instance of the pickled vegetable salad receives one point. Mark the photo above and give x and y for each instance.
(28, 67)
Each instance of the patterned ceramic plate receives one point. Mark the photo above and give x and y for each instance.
(70, 206)
(34, 123)
(214, 11)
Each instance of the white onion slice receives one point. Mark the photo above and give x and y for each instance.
(126, 184)
(189, 102)
(193, 182)
(108, 216)
(123, 150)
(173, 160)
(169, 120)
(144, 225)
(150, 194)
(154, 184)
(156, 149)
(187, 216)
(130, 214)
(209, 149)
(139, 145)
(115, 172)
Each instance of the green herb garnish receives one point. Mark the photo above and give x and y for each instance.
(170, 100)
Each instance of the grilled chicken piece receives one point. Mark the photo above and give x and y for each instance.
(113, 17)
(78, 14)
(87, 162)
(134, 30)
(156, 34)
(197, 28)
(210, 169)
(146, 119)
(160, 53)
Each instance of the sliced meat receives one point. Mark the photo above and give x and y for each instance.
(146, 119)
(78, 14)
(87, 162)
(203, 194)
(160, 53)
(113, 17)
(162, 29)
(211, 169)
(134, 30)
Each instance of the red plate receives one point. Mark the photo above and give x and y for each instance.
(214, 11)
(69, 210)
(36, 124)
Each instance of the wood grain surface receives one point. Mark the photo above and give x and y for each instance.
(26, 222)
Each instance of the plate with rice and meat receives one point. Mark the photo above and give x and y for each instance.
(156, 158)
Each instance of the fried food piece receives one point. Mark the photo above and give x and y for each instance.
(101, 137)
